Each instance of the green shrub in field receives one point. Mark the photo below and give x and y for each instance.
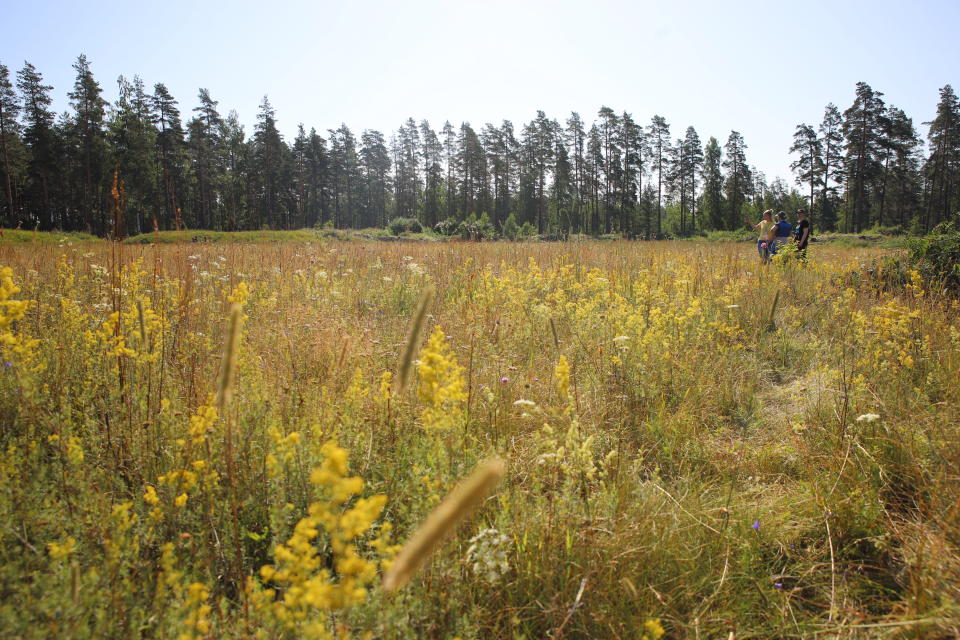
(399, 226)
(20, 236)
(446, 227)
(511, 230)
(937, 256)
(474, 228)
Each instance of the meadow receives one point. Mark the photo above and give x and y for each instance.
(696, 446)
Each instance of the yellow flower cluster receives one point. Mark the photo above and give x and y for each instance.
(14, 344)
(573, 454)
(308, 589)
(190, 601)
(895, 336)
(10, 310)
(119, 540)
(652, 630)
(442, 388)
(185, 480)
(562, 374)
(284, 450)
(74, 449)
(198, 616)
(62, 550)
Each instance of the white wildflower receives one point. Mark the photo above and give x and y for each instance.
(487, 555)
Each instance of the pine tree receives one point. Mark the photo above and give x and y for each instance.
(693, 165)
(500, 147)
(170, 154)
(472, 162)
(450, 161)
(300, 176)
(345, 176)
(562, 190)
(612, 164)
(831, 140)
(205, 144)
(738, 184)
(318, 179)
(539, 150)
(40, 139)
(271, 158)
(632, 141)
(897, 192)
(862, 131)
(407, 157)
(11, 146)
(594, 169)
(90, 147)
(309, 180)
(942, 168)
(809, 166)
(132, 140)
(659, 140)
(576, 141)
(236, 175)
(432, 151)
(375, 169)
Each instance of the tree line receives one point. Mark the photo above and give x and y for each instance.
(138, 165)
(866, 168)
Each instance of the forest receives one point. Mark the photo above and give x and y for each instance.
(140, 165)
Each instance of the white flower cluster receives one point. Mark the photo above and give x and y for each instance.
(487, 555)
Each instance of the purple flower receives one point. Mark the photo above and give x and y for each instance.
(763, 245)
(778, 585)
(756, 525)
(7, 364)
(504, 379)
(536, 379)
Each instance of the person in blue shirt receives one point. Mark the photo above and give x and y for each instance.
(783, 232)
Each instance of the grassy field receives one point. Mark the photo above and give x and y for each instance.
(696, 446)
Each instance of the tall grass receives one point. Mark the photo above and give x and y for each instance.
(694, 442)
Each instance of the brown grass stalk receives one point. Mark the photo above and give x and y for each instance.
(413, 340)
(442, 522)
(227, 365)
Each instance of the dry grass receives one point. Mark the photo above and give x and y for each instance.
(703, 466)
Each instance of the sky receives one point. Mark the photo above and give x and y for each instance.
(758, 67)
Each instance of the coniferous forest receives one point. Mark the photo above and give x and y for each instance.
(144, 163)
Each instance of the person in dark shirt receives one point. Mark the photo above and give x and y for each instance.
(801, 235)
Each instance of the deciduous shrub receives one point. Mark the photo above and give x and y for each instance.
(399, 226)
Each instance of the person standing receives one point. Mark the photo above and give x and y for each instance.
(782, 232)
(801, 235)
(763, 241)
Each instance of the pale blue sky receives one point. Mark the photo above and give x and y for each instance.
(757, 67)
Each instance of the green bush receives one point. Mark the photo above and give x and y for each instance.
(399, 226)
(474, 228)
(446, 227)
(894, 230)
(511, 230)
(937, 257)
